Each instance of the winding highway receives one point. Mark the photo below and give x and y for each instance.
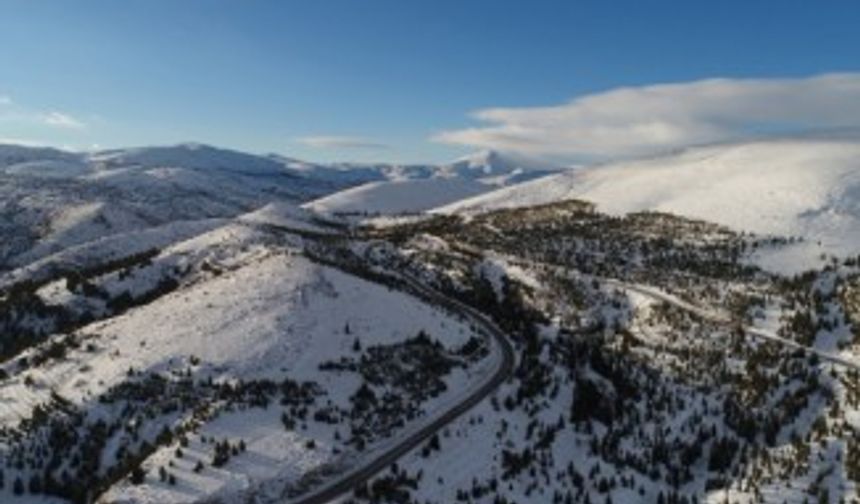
(350, 480)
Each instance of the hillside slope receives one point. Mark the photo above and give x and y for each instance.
(805, 188)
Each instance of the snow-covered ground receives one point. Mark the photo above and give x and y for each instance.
(258, 310)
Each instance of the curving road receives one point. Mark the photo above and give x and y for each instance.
(710, 314)
(358, 476)
(381, 462)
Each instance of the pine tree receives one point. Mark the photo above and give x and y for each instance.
(138, 475)
(35, 486)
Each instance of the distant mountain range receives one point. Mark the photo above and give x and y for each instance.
(53, 199)
(416, 188)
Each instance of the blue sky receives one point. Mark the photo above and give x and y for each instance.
(390, 80)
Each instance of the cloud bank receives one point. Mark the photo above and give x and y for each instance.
(339, 142)
(15, 114)
(641, 120)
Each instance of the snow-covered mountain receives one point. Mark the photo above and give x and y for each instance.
(416, 188)
(499, 168)
(799, 187)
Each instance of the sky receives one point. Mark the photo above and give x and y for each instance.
(410, 81)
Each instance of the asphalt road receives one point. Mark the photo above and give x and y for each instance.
(717, 316)
(358, 476)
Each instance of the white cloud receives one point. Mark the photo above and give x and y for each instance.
(640, 120)
(5, 100)
(339, 142)
(26, 142)
(61, 120)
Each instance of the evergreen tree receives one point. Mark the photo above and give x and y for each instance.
(138, 475)
(35, 486)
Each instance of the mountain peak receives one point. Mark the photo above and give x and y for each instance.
(482, 157)
(493, 162)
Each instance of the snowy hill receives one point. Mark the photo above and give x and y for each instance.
(13, 154)
(397, 196)
(242, 319)
(808, 188)
(189, 155)
(416, 188)
(51, 200)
